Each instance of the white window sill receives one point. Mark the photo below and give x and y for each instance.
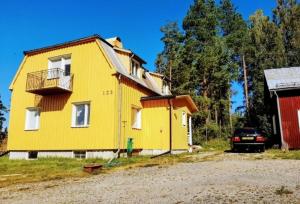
(31, 129)
(81, 126)
(135, 128)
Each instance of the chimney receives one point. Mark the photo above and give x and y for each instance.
(115, 41)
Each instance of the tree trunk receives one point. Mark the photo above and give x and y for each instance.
(229, 107)
(206, 109)
(245, 85)
(170, 75)
(216, 115)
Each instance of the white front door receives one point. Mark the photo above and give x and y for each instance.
(65, 76)
(190, 132)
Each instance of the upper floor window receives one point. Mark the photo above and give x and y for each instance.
(59, 66)
(81, 114)
(32, 119)
(165, 88)
(134, 71)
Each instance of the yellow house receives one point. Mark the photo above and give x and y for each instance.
(86, 98)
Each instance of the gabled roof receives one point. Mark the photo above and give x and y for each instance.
(146, 81)
(283, 78)
(65, 44)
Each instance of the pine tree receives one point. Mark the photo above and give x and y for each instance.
(287, 17)
(168, 61)
(235, 32)
(2, 119)
(266, 51)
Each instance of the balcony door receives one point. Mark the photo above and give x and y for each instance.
(64, 80)
(60, 68)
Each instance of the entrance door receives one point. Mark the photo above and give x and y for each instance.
(190, 134)
(65, 77)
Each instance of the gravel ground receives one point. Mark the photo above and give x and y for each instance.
(231, 179)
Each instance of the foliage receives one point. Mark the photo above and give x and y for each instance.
(205, 64)
(220, 144)
(3, 133)
(206, 56)
(45, 169)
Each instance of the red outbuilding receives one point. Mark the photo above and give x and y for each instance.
(284, 90)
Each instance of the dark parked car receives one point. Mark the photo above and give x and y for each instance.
(248, 138)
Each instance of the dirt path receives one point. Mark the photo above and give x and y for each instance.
(229, 179)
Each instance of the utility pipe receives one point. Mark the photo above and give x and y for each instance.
(117, 154)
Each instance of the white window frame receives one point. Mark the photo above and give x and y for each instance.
(87, 114)
(165, 89)
(184, 118)
(135, 68)
(37, 119)
(137, 124)
(64, 60)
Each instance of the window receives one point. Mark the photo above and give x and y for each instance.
(165, 88)
(184, 118)
(136, 118)
(134, 68)
(32, 119)
(32, 155)
(81, 115)
(59, 66)
(79, 154)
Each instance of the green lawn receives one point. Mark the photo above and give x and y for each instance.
(24, 171)
(279, 154)
(43, 169)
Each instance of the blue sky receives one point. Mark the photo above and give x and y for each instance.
(26, 25)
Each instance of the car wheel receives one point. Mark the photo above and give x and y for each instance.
(262, 149)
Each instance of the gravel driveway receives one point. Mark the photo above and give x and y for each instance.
(231, 179)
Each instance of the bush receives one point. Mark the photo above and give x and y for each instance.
(209, 132)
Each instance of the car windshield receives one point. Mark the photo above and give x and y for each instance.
(246, 131)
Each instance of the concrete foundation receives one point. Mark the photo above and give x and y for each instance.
(18, 155)
(66, 154)
(159, 151)
(89, 154)
(100, 154)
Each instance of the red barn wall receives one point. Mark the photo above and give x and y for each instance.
(289, 106)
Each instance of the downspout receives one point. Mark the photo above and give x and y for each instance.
(117, 154)
(170, 124)
(283, 144)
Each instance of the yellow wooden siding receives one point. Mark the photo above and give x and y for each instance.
(131, 95)
(157, 126)
(180, 138)
(93, 81)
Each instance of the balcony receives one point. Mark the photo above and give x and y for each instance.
(49, 82)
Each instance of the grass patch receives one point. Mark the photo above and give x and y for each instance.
(45, 169)
(279, 154)
(219, 144)
(23, 171)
